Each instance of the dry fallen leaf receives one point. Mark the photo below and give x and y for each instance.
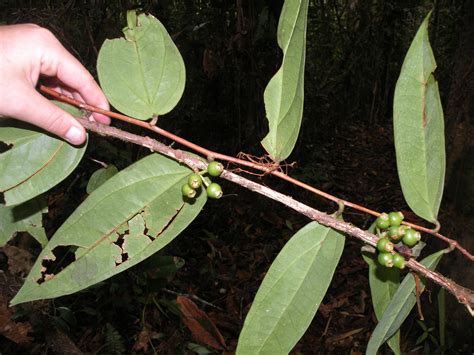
(200, 325)
(20, 261)
(15, 331)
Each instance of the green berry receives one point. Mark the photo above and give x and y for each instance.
(396, 232)
(411, 237)
(188, 191)
(214, 191)
(393, 232)
(398, 261)
(385, 259)
(395, 218)
(382, 221)
(384, 245)
(195, 181)
(215, 168)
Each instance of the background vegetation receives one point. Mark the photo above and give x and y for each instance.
(354, 54)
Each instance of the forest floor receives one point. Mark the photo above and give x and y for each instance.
(226, 252)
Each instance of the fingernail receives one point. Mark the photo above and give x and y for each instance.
(74, 135)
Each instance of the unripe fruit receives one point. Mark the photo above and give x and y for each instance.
(384, 245)
(398, 261)
(214, 191)
(395, 218)
(188, 191)
(195, 181)
(394, 232)
(382, 221)
(215, 168)
(385, 259)
(411, 237)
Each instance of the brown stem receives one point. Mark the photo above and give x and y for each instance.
(261, 167)
(463, 295)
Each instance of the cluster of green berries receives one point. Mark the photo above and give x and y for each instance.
(391, 231)
(196, 180)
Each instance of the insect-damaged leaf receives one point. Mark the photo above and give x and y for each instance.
(284, 93)
(27, 217)
(128, 218)
(292, 291)
(142, 74)
(36, 161)
(419, 129)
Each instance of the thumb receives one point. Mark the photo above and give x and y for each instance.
(41, 112)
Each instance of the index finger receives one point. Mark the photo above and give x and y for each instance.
(63, 65)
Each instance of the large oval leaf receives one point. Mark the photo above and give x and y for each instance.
(400, 306)
(128, 218)
(284, 94)
(142, 74)
(36, 162)
(292, 291)
(419, 129)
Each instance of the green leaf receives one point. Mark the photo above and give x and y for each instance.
(127, 219)
(292, 291)
(419, 129)
(36, 162)
(284, 94)
(142, 74)
(26, 217)
(384, 282)
(100, 176)
(162, 266)
(400, 306)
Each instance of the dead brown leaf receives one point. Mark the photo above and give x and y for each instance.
(15, 331)
(340, 337)
(142, 343)
(200, 325)
(20, 261)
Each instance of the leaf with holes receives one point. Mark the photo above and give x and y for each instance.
(142, 74)
(35, 162)
(284, 93)
(292, 291)
(127, 219)
(27, 217)
(418, 124)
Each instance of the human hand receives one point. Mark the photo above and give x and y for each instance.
(28, 52)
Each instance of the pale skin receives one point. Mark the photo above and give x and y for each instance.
(29, 52)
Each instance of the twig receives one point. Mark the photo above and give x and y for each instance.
(194, 297)
(261, 167)
(462, 294)
(418, 292)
